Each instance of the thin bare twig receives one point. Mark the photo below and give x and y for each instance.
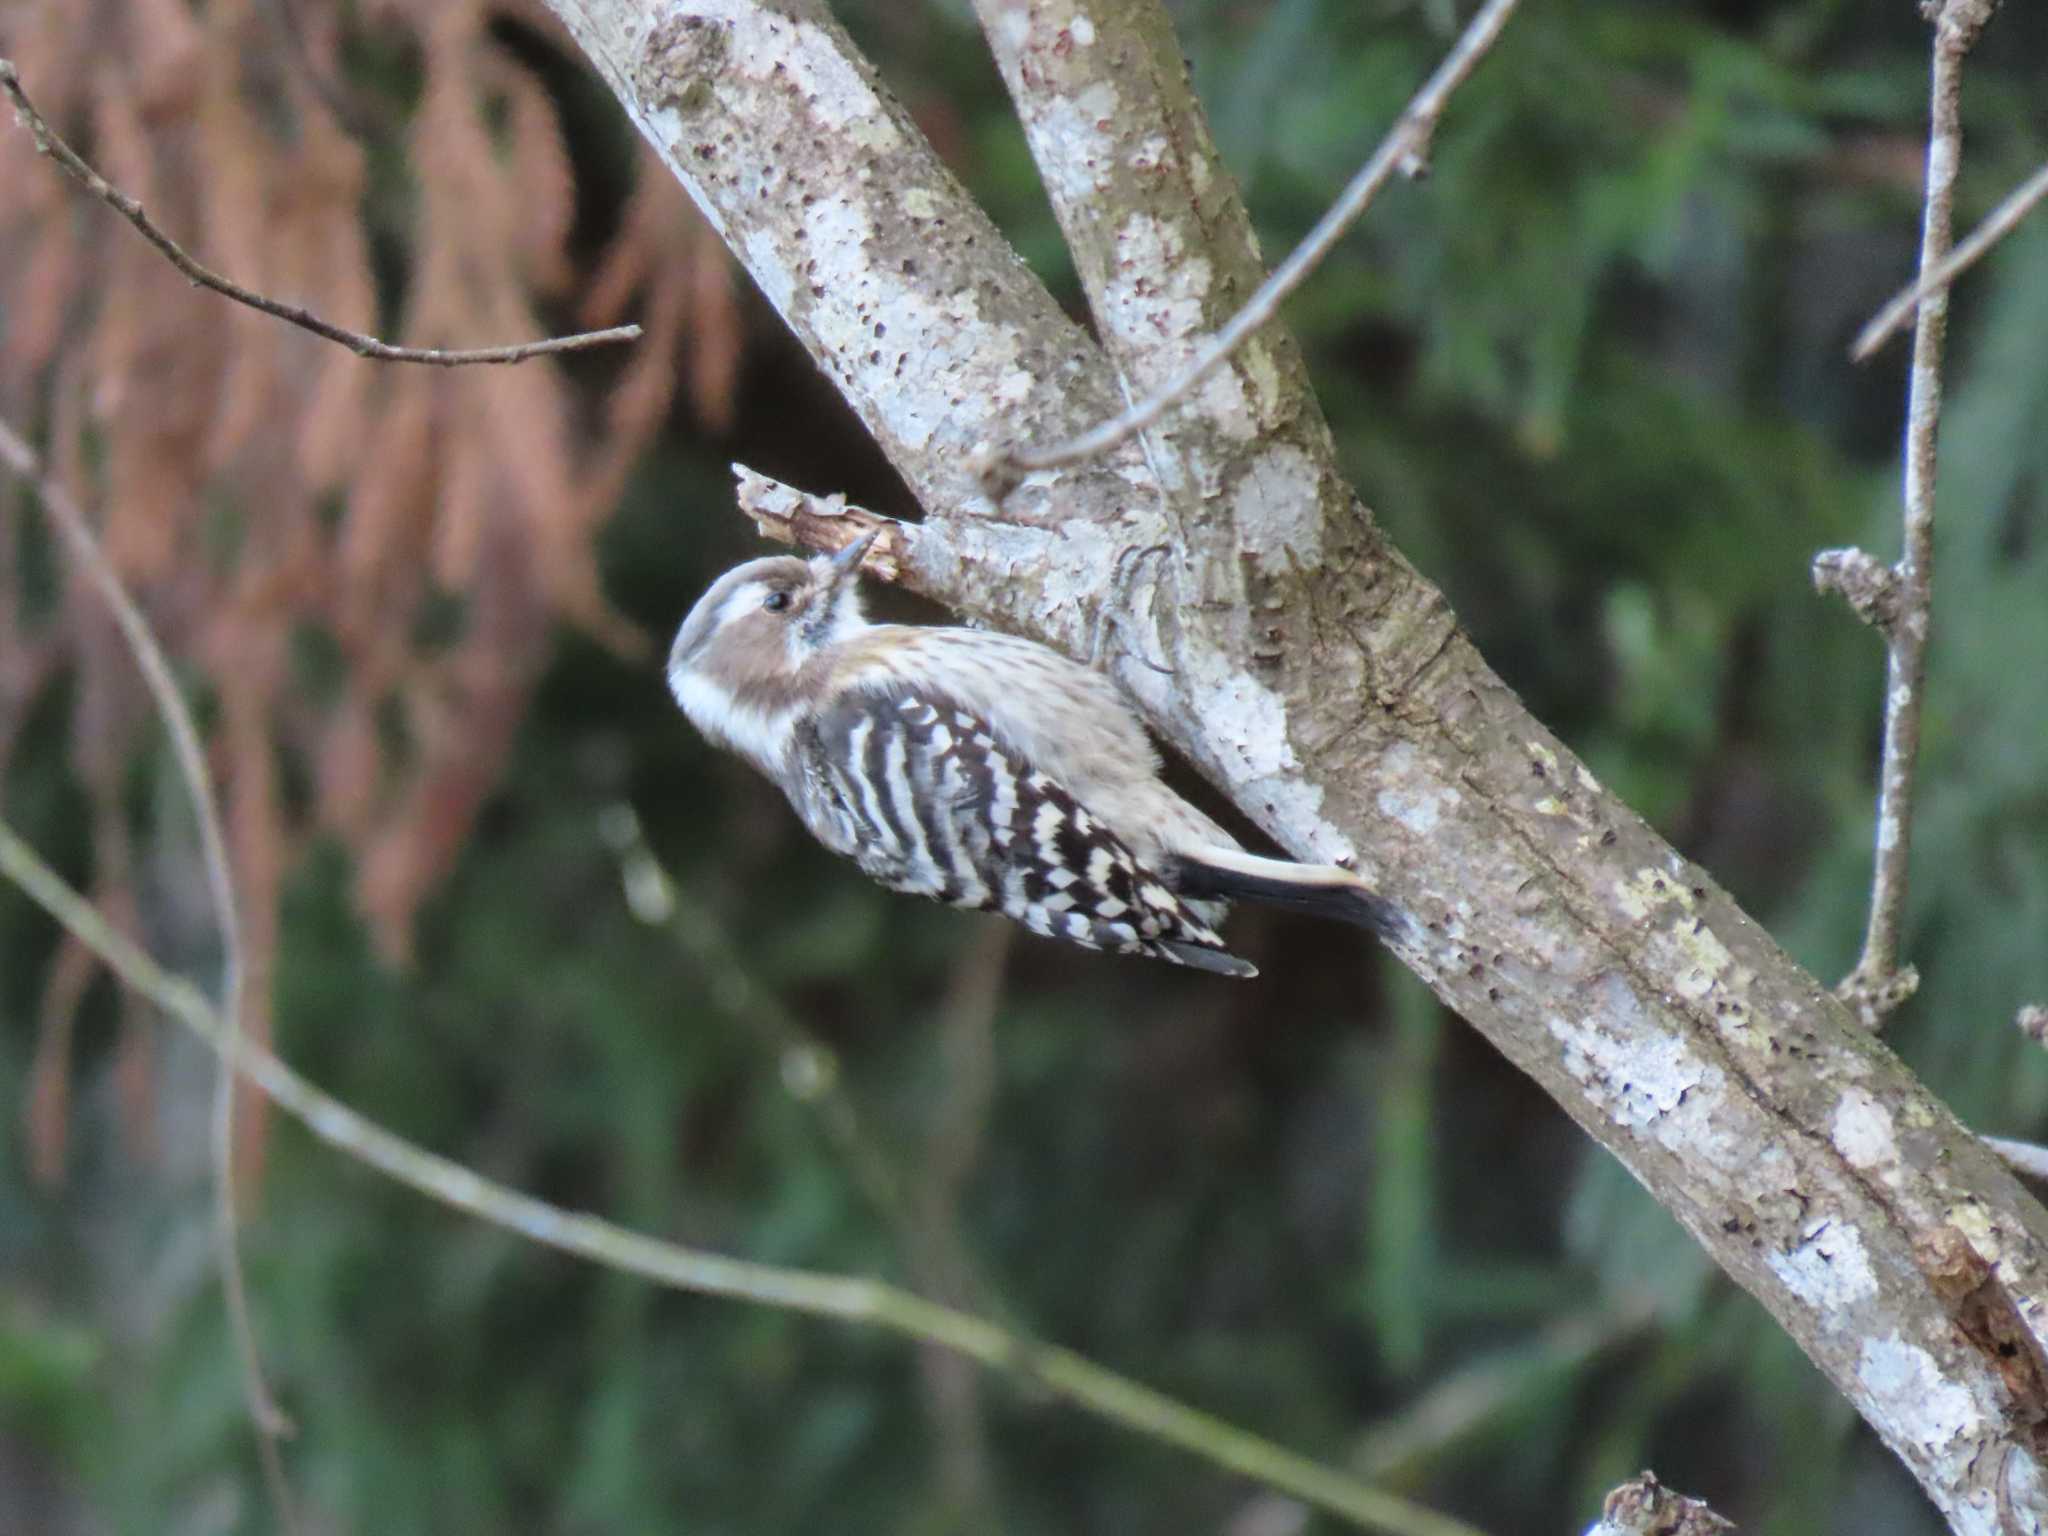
(810, 1070)
(827, 523)
(921, 1219)
(1999, 223)
(1405, 150)
(49, 143)
(270, 1423)
(1878, 984)
(849, 1298)
(939, 1256)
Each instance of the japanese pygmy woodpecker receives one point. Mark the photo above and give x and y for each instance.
(973, 767)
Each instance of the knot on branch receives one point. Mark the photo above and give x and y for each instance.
(1867, 584)
(1642, 1506)
(1957, 22)
(824, 523)
(1875, 995)
(2033, 1022)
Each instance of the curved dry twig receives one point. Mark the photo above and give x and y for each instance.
(270, 1423)
(848, 1298)
(49, 143)
(1999, 223)
(1405, 149)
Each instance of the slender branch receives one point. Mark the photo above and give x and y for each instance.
(848, 1298)
(1642, 1506)
(828, 523)
(1405, 149)
(270, 1423)
(1879, 984)
(939, 1256)
(49, 143)
(809, 1068)
(1997, 225)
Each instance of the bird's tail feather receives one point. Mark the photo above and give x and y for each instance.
(1217, 962)
(1324, 890)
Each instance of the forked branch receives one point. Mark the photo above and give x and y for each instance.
(1999, 223)
(1405, 150)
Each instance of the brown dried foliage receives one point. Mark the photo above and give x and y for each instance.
(256, 486)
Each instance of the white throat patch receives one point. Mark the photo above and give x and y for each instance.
(759, 736)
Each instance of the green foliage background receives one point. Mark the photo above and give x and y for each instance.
(1592, 375)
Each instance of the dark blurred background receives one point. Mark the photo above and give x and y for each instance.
(1591, 375)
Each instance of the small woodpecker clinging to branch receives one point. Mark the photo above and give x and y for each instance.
(976, 768)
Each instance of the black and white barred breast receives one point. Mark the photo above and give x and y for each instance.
(928, 799)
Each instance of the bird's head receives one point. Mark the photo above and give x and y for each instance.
(740, 657)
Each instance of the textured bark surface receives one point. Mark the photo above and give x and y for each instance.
(1271, 635)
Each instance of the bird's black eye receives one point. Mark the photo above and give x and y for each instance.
(775, 602)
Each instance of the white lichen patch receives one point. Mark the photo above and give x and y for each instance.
(1647, 1080)
(1829, 1271)
(1647, 889)
(951, 346)
(1410, 796)
(1704, 959)
(1082, 31)
(1255, 753)
(1151, 154)
(1587, 782)
(1252, 718)
(1154, 306)
(1862, 1132)
(1549, 805)
(1277, 507)
(767, 44)
(1072, 141)
(1907, 1398)
(1159, 288)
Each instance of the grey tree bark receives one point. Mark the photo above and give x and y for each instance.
(1242, 594)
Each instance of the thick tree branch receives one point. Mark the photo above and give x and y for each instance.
(1135, 41)
(1327, 689)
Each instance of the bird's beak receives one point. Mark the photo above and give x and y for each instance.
(847, 561)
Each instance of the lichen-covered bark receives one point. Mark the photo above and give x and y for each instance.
(1166, 255)
(1332, 695)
